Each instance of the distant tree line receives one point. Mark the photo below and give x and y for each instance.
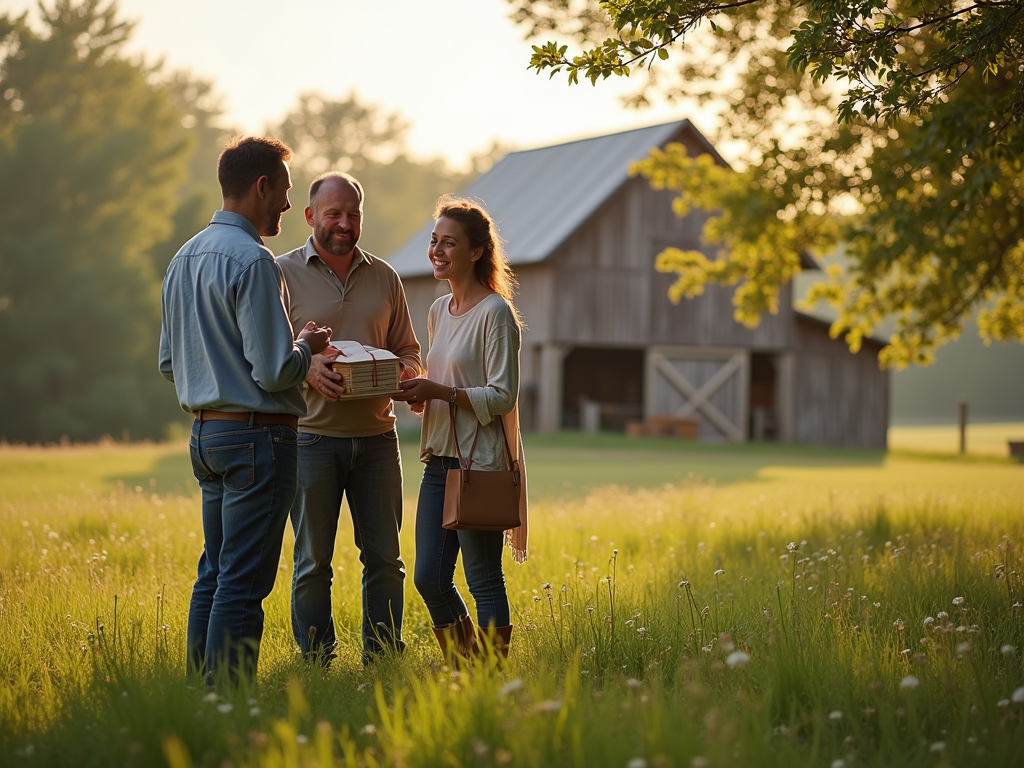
(109, 165)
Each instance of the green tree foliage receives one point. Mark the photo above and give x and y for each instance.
(893, 128)
(360, 139)
(92, 153)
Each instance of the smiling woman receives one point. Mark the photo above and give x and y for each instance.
(470, 399)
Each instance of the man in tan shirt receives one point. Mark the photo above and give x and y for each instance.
(347, 447)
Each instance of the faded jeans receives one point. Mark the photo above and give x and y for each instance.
(368, 472)
(247, 476)
(437, 550)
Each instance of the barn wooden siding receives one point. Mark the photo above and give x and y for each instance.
(838, 398)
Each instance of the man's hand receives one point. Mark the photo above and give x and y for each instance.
(323, 379)
(317, 338)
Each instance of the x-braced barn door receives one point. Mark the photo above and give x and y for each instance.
(706, 383)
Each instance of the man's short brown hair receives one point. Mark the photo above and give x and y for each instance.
(244, 160)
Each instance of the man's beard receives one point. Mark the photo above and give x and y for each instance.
(325, 240)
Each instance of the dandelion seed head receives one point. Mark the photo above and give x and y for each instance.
(909, 683)
(737, 660)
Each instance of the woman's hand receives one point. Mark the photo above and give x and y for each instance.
(416, 392)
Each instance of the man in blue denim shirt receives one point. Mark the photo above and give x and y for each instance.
(227, 345)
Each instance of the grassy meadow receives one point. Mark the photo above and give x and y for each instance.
(683, 605)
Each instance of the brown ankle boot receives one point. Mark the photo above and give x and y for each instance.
(457, 641)
(496, 638)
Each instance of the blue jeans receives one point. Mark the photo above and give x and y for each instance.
(368, 471)
(247, 476)
(437, 549)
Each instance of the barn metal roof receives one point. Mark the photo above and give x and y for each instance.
(539, 197)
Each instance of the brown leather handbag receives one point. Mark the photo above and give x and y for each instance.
(481, 500)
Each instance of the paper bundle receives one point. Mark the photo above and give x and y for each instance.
(366, 371)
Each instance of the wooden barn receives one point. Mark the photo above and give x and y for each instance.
(605, 345)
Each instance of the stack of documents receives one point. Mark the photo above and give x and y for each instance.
(366, 371)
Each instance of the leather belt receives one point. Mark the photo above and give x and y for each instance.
(243, 417)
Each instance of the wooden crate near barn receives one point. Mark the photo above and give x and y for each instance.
(663, 425)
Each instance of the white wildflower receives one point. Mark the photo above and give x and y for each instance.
(835, 716)
(637, 762)
(1008, 650)
(1018, 696)
(839, 763)
(633, 683)
(550, 706)
(956, 601)
(737, 660)
(699, 762)
(909, 683)
(929, 620)
(369, 729)
(512, 687)
(963, 650)
(225, 707)
(938, 746)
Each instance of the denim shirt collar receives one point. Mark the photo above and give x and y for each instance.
(237, 220)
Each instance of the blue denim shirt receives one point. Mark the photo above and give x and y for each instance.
(225, 340)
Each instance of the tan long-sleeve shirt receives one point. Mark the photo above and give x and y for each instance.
(369, 307)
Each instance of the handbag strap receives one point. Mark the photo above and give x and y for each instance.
(467, 464)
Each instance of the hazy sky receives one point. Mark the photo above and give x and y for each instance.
(455, 69)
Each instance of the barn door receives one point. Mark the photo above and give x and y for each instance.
(706, 383)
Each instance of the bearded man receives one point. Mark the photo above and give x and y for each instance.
(347, 448)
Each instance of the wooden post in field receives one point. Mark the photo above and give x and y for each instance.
(962, 419)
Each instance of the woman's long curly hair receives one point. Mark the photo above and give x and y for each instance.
(492, 268)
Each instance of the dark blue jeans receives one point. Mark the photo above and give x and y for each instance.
(368, 471)
(247, 476)
(438, 549)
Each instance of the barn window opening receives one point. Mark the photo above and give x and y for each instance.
(602, 388)
(764, 422)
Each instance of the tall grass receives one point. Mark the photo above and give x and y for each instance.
(868, 614)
